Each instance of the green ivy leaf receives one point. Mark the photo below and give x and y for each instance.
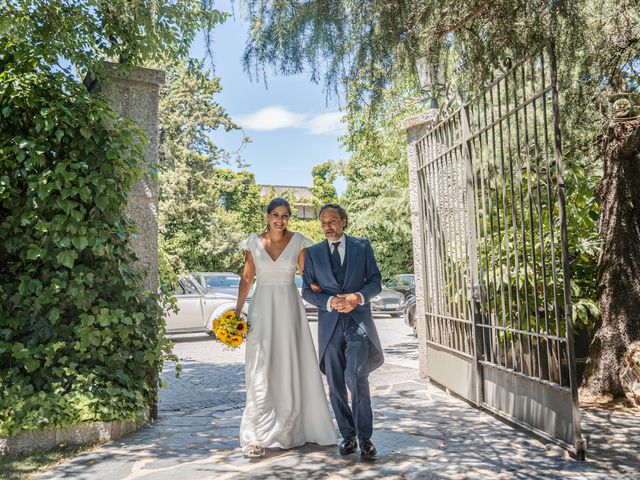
(67, 258)
(80, 242)
(54, 314)
(34, 252)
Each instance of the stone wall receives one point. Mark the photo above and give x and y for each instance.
(89, 433)
(136, 95)
(416, 127)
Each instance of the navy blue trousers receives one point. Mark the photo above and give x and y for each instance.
(346, 362)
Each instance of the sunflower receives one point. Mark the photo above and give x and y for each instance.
(241, 327)
(216, 324)
(235, 340)
(230, 315)
(222, 335)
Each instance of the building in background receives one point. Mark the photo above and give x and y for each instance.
(301, 198)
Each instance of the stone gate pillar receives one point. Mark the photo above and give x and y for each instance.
(136, 95)
(416, 127)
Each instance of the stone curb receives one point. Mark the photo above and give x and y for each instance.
(88, 433)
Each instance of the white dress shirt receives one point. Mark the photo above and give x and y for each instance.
(342, 250)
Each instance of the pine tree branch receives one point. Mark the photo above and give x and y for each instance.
(469, 17)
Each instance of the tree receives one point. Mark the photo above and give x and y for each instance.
(204, 210)
(377, 195)
(323, 190)
(369, 43)
(87, 32)
(372, 41)
(619, 258)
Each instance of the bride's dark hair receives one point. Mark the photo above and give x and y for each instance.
(275, 203)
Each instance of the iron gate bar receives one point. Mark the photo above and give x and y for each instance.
(522, 229)
(549, 202)
(499, 229)
(492, 233)
(508, 319)
(565, 253)
(494, 323)
(513, 225)
(540, 223)
(473, 281)
(449, 349)
(447, 317)
(522, 106)
(458, 280)
(531, 226)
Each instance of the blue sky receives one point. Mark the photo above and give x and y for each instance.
(292, 123)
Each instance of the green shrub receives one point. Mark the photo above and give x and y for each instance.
(79, 338)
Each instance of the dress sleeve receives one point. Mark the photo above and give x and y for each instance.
(305, 242)
(244, 244)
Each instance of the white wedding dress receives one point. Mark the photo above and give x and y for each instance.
(286, 403)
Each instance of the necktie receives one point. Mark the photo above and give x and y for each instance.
(336, 263)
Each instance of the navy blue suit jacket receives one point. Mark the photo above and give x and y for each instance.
(362, 275)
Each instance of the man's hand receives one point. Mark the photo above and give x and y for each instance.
(349, 302)
(316, 288)
(338, 303)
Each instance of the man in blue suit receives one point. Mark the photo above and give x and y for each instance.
(349, 348)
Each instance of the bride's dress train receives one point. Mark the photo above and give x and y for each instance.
(286, 404)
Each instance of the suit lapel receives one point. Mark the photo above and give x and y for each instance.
(348, 257)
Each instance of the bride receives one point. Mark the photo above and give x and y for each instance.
(286, 404)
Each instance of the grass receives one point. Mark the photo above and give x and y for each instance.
(27, 466)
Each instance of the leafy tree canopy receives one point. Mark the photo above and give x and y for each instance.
(323, 177)
(204, 209)
(369, 42)
(377, 195)
(86, 32)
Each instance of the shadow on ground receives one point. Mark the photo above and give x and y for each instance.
(404, 350)
(420, 432)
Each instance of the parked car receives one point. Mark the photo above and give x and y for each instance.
(196, 308)
(410, 313)
(220, 282)
(311, 309)
(388, 301)
(405, 284)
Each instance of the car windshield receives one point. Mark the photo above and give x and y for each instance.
(222, 281)
(188, 287)
(298, 281)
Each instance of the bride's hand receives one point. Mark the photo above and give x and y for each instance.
(316, 288)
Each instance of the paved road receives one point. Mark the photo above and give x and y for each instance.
(420, 432)
(204, 361)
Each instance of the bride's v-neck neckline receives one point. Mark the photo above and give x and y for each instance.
(281, 253)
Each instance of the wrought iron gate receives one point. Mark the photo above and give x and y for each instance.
(494, 242)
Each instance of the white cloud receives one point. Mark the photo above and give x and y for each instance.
(271, 118)
(326, 123)
(277, 117)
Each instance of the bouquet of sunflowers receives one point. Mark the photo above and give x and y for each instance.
(230, 330)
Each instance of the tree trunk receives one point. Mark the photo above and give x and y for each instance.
(618, 294)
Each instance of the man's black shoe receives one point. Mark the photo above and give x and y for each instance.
(348, 446)
(367, 449)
